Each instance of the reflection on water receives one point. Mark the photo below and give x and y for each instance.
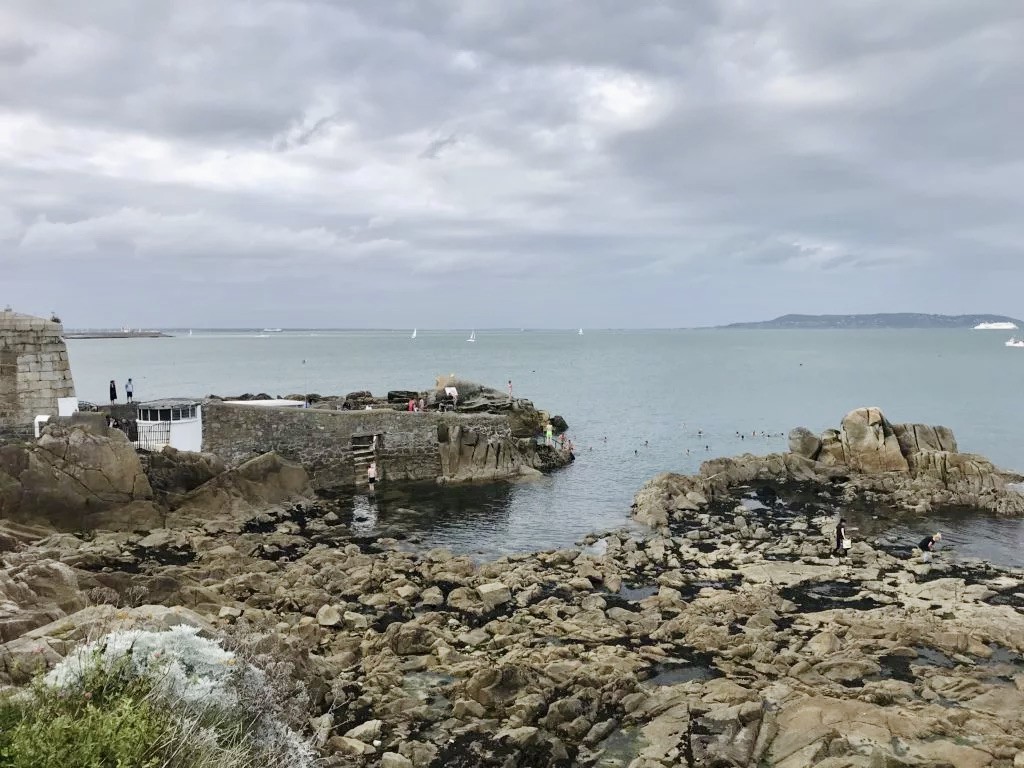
(501, 518)
(966, 533)
(481, 519)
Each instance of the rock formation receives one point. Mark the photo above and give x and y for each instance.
(254, 487)
(173, 473)
(913, 466)
(79, 475)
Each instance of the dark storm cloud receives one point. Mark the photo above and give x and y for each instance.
(600, 162)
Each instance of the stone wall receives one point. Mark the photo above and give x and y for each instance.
(410, 447)
(34, 370)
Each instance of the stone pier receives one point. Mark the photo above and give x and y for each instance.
(34, 370)
(335, 446)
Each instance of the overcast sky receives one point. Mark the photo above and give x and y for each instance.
(447, 163)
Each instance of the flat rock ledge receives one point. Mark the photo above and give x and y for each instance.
(913, 467)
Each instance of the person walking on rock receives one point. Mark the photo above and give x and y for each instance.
(129, 389)
(548, 432)
(113, 392)
(927, 546)
(843, 544)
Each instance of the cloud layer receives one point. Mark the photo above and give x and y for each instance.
(443, 163)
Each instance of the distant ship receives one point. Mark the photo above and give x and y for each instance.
(581, 332)
(1014, 342)
(1001, 326)
(413, 333)
(273, 330)
(472, 336)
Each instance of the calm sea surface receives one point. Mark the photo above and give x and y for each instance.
(637, 402)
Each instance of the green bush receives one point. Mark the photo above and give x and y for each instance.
(148, 700)
(120, 728)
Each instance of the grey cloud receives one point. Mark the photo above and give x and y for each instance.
(14, 53)
(599, 162)
(434, 149)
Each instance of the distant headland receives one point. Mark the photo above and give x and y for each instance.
(885, 321)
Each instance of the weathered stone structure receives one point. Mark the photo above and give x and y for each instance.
(335, 446)
(34, 370)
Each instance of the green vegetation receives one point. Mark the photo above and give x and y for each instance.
(148, 700)
(111, 722)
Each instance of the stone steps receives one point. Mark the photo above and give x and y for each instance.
(361, 460)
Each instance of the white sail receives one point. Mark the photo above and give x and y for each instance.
(413, 333)
(581, 331)
(472, 336)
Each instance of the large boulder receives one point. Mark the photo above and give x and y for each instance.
(261, 483)
(173, 473)
(73, 477)
(915, 438)
(870, 444)
(831, 452)
(804, 443)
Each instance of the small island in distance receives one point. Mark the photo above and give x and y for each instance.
(896, 320)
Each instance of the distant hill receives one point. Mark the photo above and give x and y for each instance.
(890, 320)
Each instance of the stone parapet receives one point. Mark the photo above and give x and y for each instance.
(34, 369)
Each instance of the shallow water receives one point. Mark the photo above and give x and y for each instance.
(638, 403)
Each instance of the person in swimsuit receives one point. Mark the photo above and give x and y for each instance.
(371, 475)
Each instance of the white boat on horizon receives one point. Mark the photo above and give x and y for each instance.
(413, 333)
(273, 330)
(581, 332)
(1000, 326)
(472, 336)
(1015, 342)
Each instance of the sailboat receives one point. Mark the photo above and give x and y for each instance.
(189, 331)
(413, 333)
(472, 336)
(581, 332)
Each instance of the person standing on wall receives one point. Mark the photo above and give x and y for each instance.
(113, 392)
(129, 389)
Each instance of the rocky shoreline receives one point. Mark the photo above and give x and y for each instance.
(735, 638)
(910, 467)
(728, 636)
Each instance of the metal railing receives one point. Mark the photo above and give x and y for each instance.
(153, 437)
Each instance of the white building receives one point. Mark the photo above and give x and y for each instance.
(174, 422)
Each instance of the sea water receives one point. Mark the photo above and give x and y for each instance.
(637, 403)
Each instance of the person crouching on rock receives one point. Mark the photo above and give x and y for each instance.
(927, 546)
